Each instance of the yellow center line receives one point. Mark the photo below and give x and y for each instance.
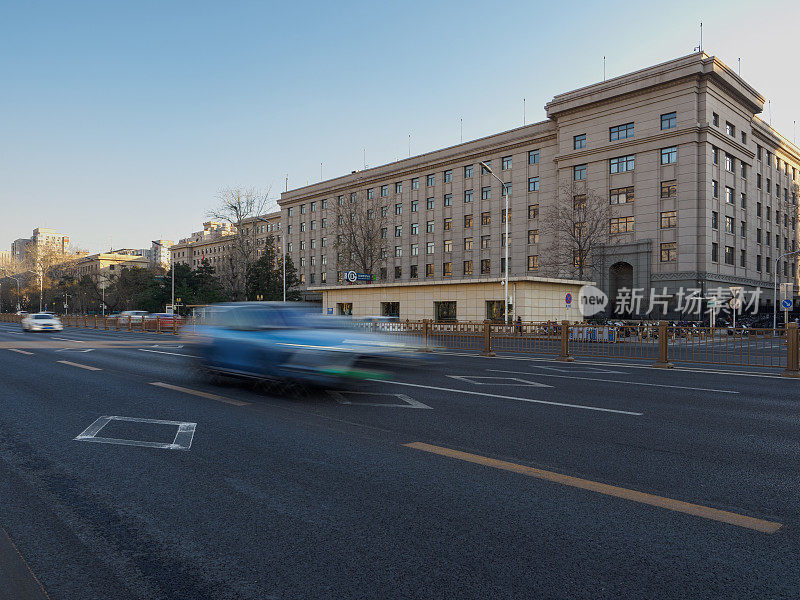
(178, 388)
(608, 490)
(18, 351)
(79, 365)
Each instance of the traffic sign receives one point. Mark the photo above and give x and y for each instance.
(786, 304)
(568, 299)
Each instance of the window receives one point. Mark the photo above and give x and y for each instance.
(533, 157)
(742, 258)
(743, 229)
(507, 187)
(429, 203)
(431, 180)
(352, 197)
(533, 184)
(579, 202)
(621, 225)
(383, 233)
(384, 191)
(290, 211)
(445, 310)
(728, 255)
(758, 235)
(486, 193)
(669, 189)
(467, 267)
(415, 183)
(414, 228)
(769, 213)
(398, 251)
(485, 241)
(715, 119)
(467, 195)
(384, 212)
(313, 207)
(313, 225)
(621, 195)
(669, 219)
(503, 216)
(729, 198)
(669, 252)
(533, 236)
(714, 252)
(728, 163)
(448, 176)
(467, 221)
(715, 155)
(728, 224)
(429, 227)
(758, 180)
(621, 164)
(758, 263)
(743, 170)
(447, 269)
(620, 132)
(579, 172)
(398, 209)
(448, 245)
(414, 205)
(429, 272)
(714, 188)
(669, 121)
(533, 211)
(533, 262)
(383, 273)
(414, 272)
(714, 219)
(324, 223)
(398, 231)
(468, 243)
(486, 218)
(669, 156)
(448, 224)
(731, 131)
(769, 185)
(414, 249)
(398, 187)
(484, 170)
(448, 199)
(302, 209)
(486, 266)
(506, 163)
(468, 171)
(302, 226)
(579, 141)
(429, 248)
(370, 194)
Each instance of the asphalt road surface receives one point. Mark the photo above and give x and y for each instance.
(471, 477)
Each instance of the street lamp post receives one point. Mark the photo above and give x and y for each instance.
(172, 270)
(283, 254)
(5, 274)
(775, 289)
(508, 218)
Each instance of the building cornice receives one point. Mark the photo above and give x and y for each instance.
(438, 282)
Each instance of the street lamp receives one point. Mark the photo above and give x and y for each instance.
(172, 269)
(283, 254)
(775, 289)
(508, 218)
(5, 274)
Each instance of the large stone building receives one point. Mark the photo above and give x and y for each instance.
(213, 243)
(104, 265)
(701, 192)
(41, 237)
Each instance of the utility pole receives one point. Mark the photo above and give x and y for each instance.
(508, 218)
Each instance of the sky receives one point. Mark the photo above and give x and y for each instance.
(121, 122)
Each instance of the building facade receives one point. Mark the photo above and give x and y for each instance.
(104, 265)
(41, 237)
(701, 192)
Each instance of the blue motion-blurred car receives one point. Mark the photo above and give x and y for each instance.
(277, 341)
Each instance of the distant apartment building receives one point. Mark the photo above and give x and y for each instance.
(702, 193)
(213, 243)
(41, 237)
(103, 265)
(160, 253)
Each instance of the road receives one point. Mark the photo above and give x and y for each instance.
(471, 477)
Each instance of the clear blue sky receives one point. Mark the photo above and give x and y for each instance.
(124, 120)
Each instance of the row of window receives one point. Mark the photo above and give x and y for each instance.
(622, 164)
(730, 255)
(625, 131)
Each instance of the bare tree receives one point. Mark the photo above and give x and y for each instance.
(361, 234)
(238, 207)
(578, 225)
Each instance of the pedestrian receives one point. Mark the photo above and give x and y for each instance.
(519, 325)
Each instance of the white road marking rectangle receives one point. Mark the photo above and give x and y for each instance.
(170, 353)
(18, 351)
(182, 441)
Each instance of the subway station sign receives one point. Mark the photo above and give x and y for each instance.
(353, 277)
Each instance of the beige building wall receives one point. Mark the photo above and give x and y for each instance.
(538, 299)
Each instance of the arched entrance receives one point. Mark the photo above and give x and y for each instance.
(620, 275)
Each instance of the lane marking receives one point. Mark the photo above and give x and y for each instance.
(52, 337)
(629, 365)
(688, 508)
(661, 385)
(25, 562)
(178, 388)
(341, 398)
(17, 350)
(531, 400)
(170, 353)
(79, 365)
(498, 381)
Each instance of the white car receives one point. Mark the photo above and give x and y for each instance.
(135, 316)
(41, 322)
